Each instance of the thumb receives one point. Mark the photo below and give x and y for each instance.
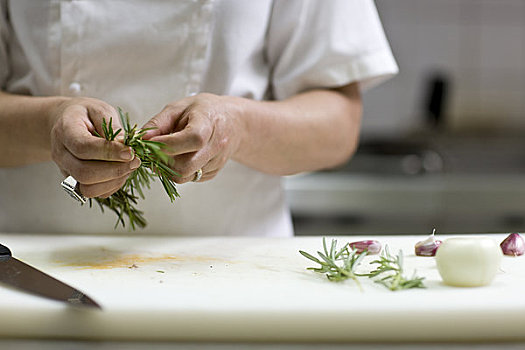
(102, 114)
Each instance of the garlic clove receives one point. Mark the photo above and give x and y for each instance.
(428, 247)
(513, 245)
(371, 246)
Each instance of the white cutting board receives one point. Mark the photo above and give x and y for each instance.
(248, 289)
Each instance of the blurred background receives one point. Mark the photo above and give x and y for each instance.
(441, 143)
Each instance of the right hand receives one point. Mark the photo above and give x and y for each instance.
(101, 167)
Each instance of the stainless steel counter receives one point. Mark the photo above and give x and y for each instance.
(453, 184)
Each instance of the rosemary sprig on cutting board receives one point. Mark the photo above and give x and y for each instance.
(340, 264)
(336, 264)
(390, 272)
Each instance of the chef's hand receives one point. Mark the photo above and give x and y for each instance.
(100, 166)
(200, 132)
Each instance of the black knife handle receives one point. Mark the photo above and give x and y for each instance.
(5, 253)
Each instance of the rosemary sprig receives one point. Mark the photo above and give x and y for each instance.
(391, 267)
(153, 162)
(340, 264)
(337, 264)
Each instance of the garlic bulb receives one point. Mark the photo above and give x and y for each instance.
(428, 247)
(513, 245)
(468, 261)
(371, 246)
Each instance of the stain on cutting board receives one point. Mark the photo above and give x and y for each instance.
(102, 258)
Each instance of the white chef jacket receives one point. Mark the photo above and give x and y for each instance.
(141, 55)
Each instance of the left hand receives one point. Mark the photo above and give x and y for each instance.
(200, 132)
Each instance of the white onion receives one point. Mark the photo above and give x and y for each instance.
(468, 261)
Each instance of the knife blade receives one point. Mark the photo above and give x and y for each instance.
(22, 276)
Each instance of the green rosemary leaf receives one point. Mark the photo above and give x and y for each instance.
(337, 265)
(105, 129)
(309, 256)
(359, 258)
(115, 134)
(155, 144)
(327, 260)
(333, 246)
(393, 265)
(166, 169)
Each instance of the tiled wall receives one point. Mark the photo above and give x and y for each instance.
(480, 47)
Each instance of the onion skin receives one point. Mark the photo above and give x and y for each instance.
(468, 261)
(513, 245)
(371, 246)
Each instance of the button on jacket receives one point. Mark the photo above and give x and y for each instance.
(141, 55)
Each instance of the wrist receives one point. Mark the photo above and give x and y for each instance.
(52, 109)
(26, 128)
(237, 111)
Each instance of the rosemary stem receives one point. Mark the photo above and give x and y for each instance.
(153, 164)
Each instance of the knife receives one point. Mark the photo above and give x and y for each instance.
(25, 277)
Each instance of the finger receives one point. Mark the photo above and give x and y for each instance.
(78, 139)
(106, 195)
(95, 148)
(188, 163)
(182, 180)
(64, 173)
(212, 168)
(209, 171)
(94, 171)
(185, 165)
(103, 189)
(102, 113)
(207, 176)
(194, 137)
(166, 121)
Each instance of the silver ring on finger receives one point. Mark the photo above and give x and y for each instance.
(198, 175)
(71, 186)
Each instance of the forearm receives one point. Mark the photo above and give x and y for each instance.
(25, 128)
(310, 131)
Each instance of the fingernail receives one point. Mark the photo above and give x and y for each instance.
(127, 154)
(135, 164)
